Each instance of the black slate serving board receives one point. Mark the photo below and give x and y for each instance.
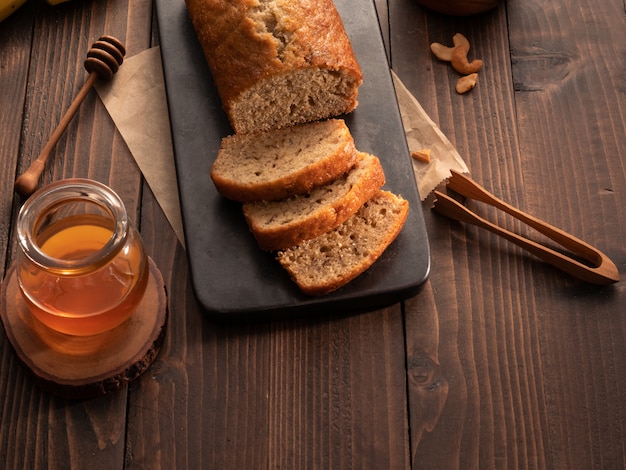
(232, 277)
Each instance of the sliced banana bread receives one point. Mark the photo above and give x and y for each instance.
(328, 262)
(277, 164)
(288, 222)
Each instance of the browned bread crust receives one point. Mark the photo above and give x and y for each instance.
(288, 222)
(328, 262)
(277, 62)
(277, 164)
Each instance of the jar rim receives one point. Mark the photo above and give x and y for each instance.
(67, 190)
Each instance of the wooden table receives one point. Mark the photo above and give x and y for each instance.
(500, 362)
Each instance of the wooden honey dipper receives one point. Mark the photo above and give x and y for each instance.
(103, 61)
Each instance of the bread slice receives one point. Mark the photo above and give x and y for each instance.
(328, 262)
(277, 63)
(288, 222)
(277, 164)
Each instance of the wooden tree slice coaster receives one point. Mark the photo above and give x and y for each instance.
(86, 366)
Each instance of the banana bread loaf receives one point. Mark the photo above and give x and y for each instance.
(277, 63)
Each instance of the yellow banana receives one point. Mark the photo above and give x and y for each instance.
(9, 6)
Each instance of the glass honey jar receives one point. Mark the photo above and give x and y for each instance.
(81, 265)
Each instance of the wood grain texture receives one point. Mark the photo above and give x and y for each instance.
(307, 393)
(316, 393)
(14, 60)
(533, 360)
(568, 66)
(500, 362)
(40, 430)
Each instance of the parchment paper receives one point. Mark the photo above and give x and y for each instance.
(136, 100)
(422, 133)
(137, 103)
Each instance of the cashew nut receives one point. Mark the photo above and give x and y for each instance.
(442, 52)
(457, 56)
(466, 83)
(461, 64)
(459, 40)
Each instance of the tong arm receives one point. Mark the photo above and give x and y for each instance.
(602, 269)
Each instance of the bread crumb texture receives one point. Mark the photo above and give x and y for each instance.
(276, 164)
(327, 262)
(287, 222)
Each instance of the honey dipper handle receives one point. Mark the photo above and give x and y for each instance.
(103, 60)
(26, 183)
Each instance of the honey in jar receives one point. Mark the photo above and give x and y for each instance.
(82, 268)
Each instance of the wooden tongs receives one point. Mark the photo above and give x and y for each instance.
(601, 270)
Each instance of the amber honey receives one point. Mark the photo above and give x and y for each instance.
(79, 275)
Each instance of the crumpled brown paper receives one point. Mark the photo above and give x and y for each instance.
(136, 100)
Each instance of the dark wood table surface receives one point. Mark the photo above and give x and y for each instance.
(501, 361)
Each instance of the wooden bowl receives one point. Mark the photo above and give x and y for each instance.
(459, 7)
